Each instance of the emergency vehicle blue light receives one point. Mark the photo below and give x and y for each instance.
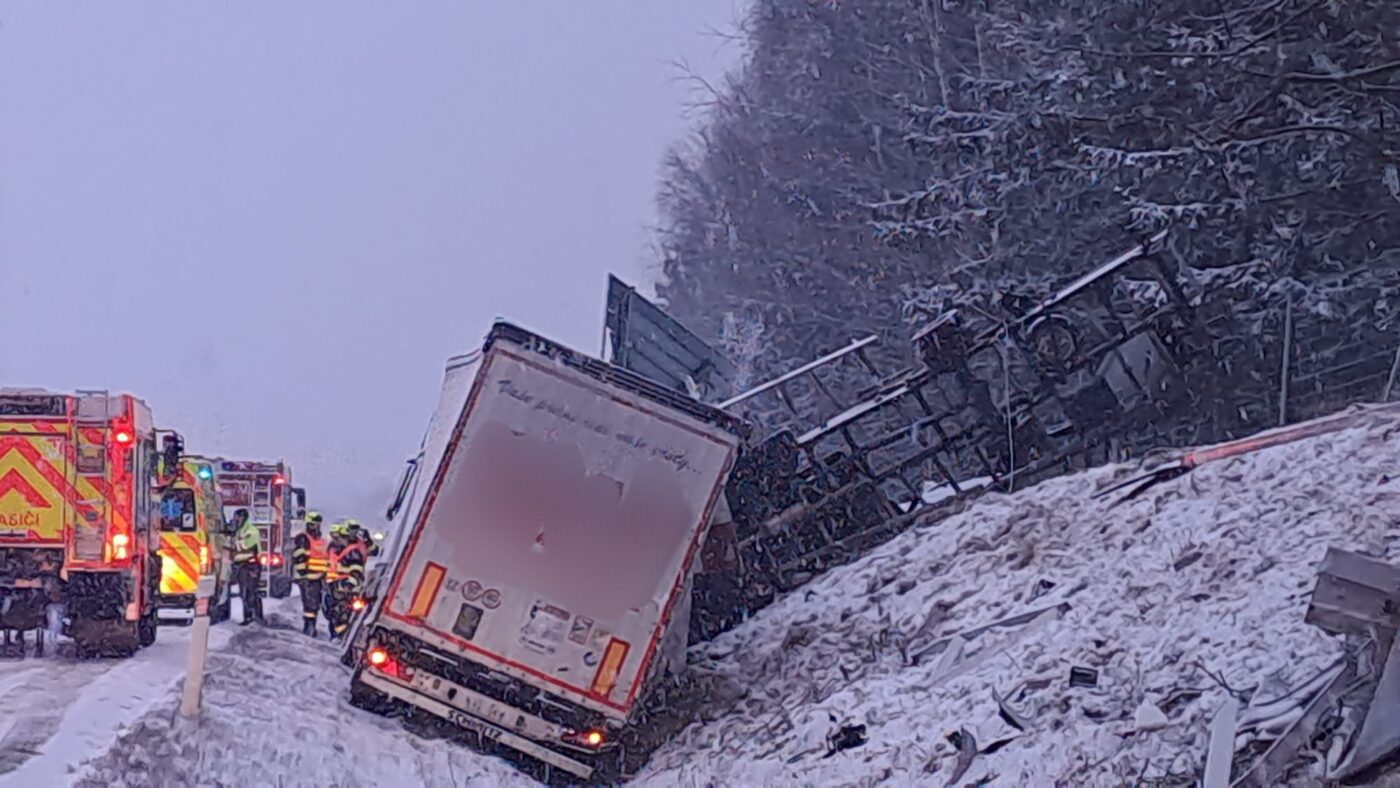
(205, 472)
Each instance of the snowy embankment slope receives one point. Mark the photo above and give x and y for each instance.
(277, 712)
(1210, 572)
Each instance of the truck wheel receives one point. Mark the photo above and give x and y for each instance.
(610, 767)
(363, 696)
(146, 629)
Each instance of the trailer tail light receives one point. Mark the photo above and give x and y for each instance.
(592, 739)
(381, 660)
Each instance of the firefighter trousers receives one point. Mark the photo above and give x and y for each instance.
(249, 574)
(312, 592)
(338, 612)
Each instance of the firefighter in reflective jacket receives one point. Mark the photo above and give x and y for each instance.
(247, 542)
(310, 562)
(345, 578)
(358, 531)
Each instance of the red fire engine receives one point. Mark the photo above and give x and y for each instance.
(78, 477)
(274, 506)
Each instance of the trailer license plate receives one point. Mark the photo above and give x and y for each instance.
(473, 724)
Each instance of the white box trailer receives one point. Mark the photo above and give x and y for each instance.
(545, 566)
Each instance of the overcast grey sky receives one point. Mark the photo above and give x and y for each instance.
(275, 220)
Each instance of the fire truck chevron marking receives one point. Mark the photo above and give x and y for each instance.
(89, 487)
(12, 482)
(180, 570)
(50, 474)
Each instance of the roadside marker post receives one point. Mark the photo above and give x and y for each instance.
(193, 691)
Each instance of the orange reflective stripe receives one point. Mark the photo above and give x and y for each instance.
(335, 570)
(426, 592)
(609, 667)
(318, 561)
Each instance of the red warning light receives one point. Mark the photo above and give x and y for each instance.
(123, 437)
(279, 480)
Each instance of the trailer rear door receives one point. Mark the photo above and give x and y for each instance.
(554, 538)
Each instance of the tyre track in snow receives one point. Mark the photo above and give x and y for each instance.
(33, 701)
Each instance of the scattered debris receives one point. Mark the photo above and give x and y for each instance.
(1354, 593)
(1279, 759)
(1083, 677)
(1148, 717)
(1004, 623)
(1358, 596)
(1377, 745)
(966, 745)
(997, 745)
(1355, 701)
(1187, 560)
(1177, 699)
(950, 656)
(1134, 622)
(844, 738)
(1009, 714)
(1221, 754)
(1041, 588)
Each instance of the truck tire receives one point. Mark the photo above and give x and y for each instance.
(610, 767)
(146, 629)
(363, 696)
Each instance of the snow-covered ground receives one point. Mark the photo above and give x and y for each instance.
(56, 711)
(1210, 572)
(1204, 579)
(275, 713)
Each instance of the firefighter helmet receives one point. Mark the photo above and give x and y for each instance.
(314, 517)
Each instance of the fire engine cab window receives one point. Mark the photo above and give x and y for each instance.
(177, 511)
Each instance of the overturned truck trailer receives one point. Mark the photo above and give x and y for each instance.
(1115, 362)
(538, 585)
